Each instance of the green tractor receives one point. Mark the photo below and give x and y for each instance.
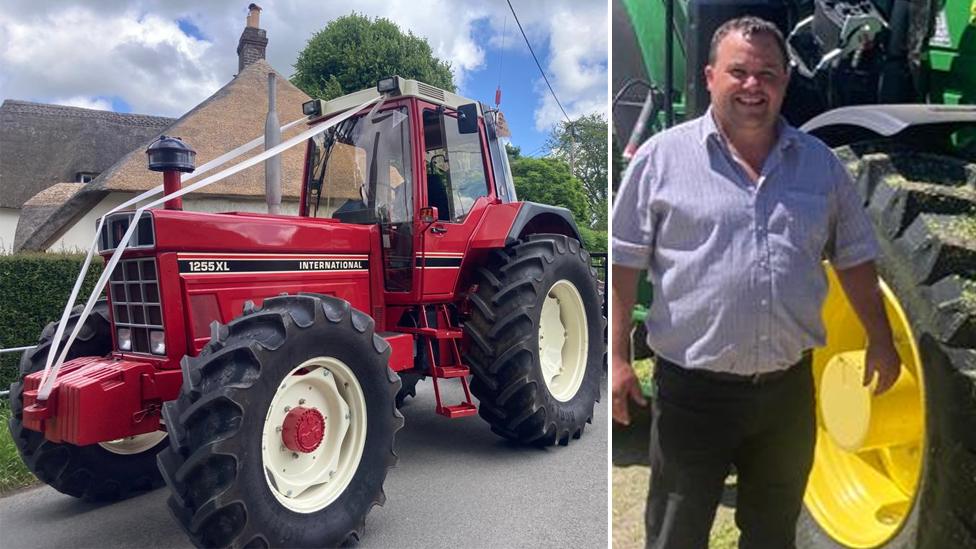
(890, 84)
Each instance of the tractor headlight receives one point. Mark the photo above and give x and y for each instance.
(125, 339)
(388, 85)
(312, 108)
(157, 343)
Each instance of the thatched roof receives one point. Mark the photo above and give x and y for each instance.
(227, 119)
(41, 145)
(38, 210)
(230, 117)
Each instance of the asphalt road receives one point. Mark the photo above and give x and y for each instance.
(456, 485)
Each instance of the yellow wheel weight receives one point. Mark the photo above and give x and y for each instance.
(855, 418)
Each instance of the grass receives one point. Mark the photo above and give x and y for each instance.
(629, 494)
(13, 474)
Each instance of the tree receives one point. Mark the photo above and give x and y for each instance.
(353, 52)
(590, 155)
(514, 152)
(548, 181)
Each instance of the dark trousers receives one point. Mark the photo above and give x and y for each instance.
(701, 426)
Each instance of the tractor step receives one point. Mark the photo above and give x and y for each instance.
(445, 336)
(436, 333)
(458, 410)
(446, 372)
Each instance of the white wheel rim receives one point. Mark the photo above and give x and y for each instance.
(135, 444)
(563, 340)
(309, 482)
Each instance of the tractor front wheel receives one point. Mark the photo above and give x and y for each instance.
(283, 431)
(536, 340)
(107, 471)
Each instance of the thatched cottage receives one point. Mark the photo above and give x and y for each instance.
(64, 216)
(47, 146)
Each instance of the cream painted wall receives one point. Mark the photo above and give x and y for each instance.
(79, 236)
(8, 227)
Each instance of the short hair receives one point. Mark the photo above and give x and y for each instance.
(748, 25)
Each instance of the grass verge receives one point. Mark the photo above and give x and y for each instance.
(13, 473)
(629, 495)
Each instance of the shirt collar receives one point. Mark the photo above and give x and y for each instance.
(707, 128)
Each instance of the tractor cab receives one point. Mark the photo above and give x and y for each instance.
(422, 164)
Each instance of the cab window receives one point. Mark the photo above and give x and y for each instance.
(455, 167)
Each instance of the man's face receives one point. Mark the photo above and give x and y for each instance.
(747, 81)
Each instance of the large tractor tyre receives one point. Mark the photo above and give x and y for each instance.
(100, 472)
(536, 340)
(283, 431)
(899, 471)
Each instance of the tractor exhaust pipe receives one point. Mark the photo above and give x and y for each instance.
(272, 137)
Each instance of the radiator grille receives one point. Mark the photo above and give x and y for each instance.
(135, 300)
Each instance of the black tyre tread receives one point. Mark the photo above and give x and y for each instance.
(501, 334)
(212, 512)
(924, 209)
(408, 387)
(78, 471)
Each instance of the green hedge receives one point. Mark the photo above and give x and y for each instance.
(33, 291)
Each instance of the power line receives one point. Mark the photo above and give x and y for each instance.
(537, 64)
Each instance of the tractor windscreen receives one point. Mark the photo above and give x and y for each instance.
(361, 168)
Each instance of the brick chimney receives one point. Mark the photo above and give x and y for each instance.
(253, 40)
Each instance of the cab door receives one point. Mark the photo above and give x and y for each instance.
(457, 182)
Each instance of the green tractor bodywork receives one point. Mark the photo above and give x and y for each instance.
(891, 86)
(952, 55)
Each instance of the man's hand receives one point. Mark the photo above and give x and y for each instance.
(625, 388)
(881, 359)
(860, 284)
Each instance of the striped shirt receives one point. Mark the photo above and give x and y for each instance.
(736, 266)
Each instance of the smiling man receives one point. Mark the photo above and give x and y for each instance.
(730, 214)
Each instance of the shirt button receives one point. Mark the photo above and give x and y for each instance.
(764, 338)
(764, 302)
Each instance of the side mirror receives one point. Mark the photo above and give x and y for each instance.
(468, 118)
(428, 215)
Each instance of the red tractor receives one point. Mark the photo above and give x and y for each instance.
(260, 359)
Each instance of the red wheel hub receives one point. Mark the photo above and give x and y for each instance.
(303, 429)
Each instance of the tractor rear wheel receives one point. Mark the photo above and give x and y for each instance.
(536, 340)
(886, 466)
(283, 431)
(100, 472)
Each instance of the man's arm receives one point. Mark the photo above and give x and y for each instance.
(860, 284)
(625, 386)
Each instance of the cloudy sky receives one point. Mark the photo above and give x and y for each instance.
(164, 57)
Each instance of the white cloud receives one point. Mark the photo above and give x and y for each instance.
(84, 102)
(144, 59)
(134, 50)
(577, 68)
